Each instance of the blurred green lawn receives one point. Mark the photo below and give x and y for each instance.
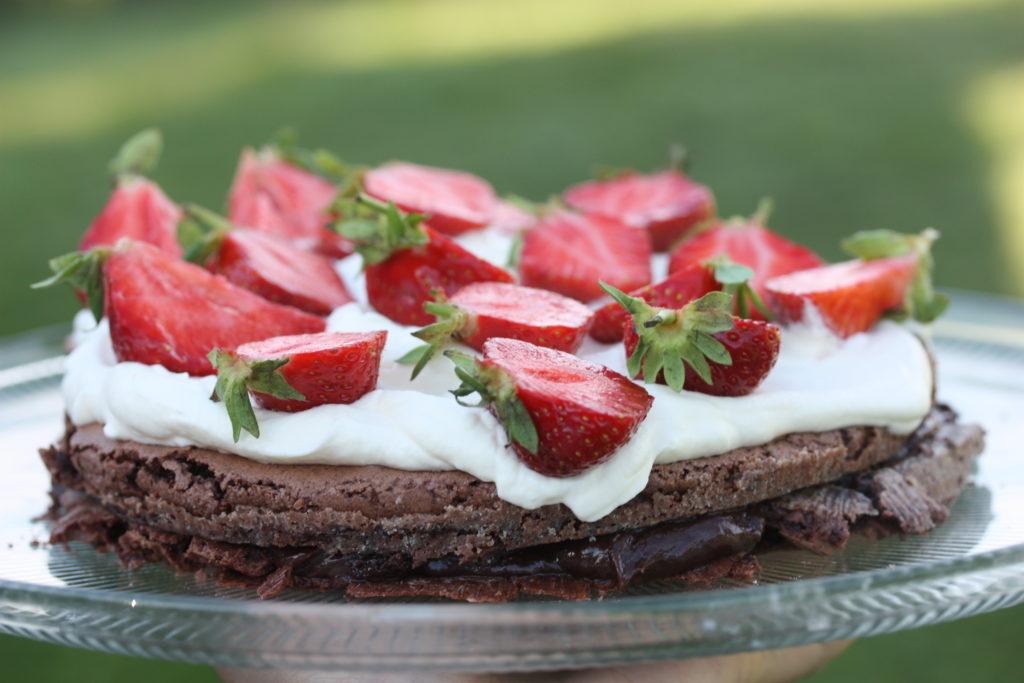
(902, 113)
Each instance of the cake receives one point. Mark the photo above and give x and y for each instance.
(392, 382)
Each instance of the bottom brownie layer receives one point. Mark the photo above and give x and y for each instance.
(908, 494)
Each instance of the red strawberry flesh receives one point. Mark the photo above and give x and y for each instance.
(674, 291)
(666, 204)
(326, 368)
(748, 244)
(272, 195)
(137, 210)
(570, 253)
(850, 296)
(582, 412)
(754, 348)
(524, 313)
(399, 286)
(280, 271)
(453, 201)
(164, 311)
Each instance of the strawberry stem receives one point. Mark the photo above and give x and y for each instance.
(320, 161)
(83, 270)
(377, 229)
(201, 232)
(496, 389)
(669, 340)
(735, 280)
(237, 377)
(451, 321)
(138, 155)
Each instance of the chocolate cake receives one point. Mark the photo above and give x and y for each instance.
(392, 382)
(378, 531)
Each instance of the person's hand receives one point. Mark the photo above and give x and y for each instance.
(770, 666)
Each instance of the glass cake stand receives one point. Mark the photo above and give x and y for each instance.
(974, 563)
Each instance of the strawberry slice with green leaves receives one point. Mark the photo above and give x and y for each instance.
(295, 373)
(666, 204)
(748, 242)
(683, 286)
(289, 192)
(892, 276)
(165, 311)
(405, 262)
(451, 202)
(137, 208)
(570, 253)
(700, 346)
(485, 310)
(563, 415)
(262, 262)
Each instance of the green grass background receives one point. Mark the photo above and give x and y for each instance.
(856, 114)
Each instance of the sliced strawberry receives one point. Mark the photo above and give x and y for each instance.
(485, 310)
(276, 196)
(677, 289)
(699, 346)
(563, 415)
(452, 201)
(279, 271)
(893, 276)
(406, 262)
(850, 296)
(165, 311)
(753, 347)
(666, 204)
(749, 243)
(137, 209)
(571, 253)
(296, 373)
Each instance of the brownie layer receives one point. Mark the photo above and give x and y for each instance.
(908, 494)
(426, 515)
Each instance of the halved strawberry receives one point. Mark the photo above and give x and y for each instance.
(165, 311)
(272, 194)
(570, 253)
(750, 243)
(485, 310)
(677, 289)
(405, 262)
(296, 373)
(699, 346)
(262, 262)
(666, 204)
(563, 415)
(893, 276)
(452, 202)
(137, 208)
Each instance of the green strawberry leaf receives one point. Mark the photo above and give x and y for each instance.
(201, 232)
(451, 321)
(735, 280)
(83, 270)
(321, 162)
(670, 340)
(377, 229)
(922, 302)
(139, 154)
(236, 378)
(495, 387)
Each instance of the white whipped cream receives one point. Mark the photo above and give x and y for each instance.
(881, 378)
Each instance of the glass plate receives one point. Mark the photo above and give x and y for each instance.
(973, 563)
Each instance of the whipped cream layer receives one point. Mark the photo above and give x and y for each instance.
(882, 378)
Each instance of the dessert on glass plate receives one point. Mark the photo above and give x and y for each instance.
(392, 382)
